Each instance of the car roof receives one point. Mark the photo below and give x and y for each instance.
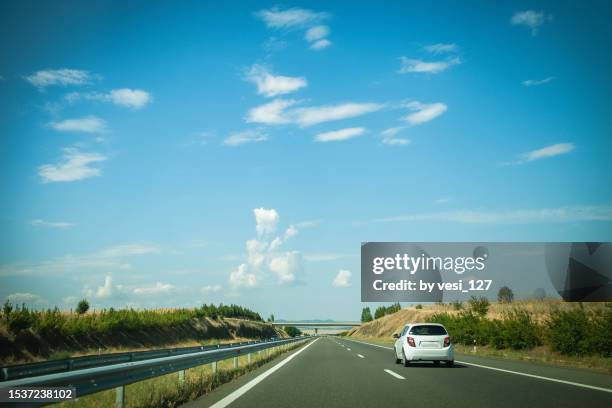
(424, 323)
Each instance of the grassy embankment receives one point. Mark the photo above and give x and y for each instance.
(547, 331)
(27, 335)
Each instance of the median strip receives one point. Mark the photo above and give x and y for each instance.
(394, 374)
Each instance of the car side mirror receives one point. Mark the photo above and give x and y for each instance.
(396, 335)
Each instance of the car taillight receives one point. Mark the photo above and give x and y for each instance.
(446, 341)
(411, 342)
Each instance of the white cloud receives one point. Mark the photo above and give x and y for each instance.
(125, 250)
(391, 132)
(530, 18)
(211, 289)
(271, 113)
(286, 266)
(396, 141)
(75, 165)
(545, 152)
(29, 299)
(316, 33)
(49, 77)
(536, 82)
(338, 135)
(420, 66)
(441, 48)
(263, 257)
(277, 112)
(342, 279)
(266, 220)
(102, 292)
(273, 85)
(157, 289)
(131, 98)
(70, 300)
(321, 44)
(245, 136)
(107, 259)
(51, 224)
(241, 278)
(87, 124)
(290, 18)
(424, 112)
(125, 97)
(562, 214)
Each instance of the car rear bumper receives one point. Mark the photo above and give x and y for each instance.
(421, 354)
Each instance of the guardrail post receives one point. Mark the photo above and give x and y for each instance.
(182, 376)
(120, 397)
(249, 359)
(235, 362)
(213, 366)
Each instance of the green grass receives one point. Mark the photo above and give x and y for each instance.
(166, 391)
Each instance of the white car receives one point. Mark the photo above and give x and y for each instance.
(423, 342)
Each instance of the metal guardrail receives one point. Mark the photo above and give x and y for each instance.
(91, 380)
(15, 372)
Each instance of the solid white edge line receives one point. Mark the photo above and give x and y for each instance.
(591, 387)
(228, 399)
(396, 375)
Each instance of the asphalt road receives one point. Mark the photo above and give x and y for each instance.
(335, 372)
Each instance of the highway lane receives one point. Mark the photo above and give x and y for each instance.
(335, 372)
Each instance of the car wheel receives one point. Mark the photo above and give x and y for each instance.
(450, 363)
(436, 362)
(405, 360)
(397, 360)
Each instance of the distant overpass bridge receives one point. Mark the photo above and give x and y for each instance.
(317, 325)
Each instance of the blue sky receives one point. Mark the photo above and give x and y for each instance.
(158, 154)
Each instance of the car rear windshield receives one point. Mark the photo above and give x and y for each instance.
(427, 330)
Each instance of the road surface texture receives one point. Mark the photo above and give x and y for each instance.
(338, 372)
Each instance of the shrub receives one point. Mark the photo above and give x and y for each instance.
(505, 295)
(419, 306)
(579, 332)
(479, 306)
(517, 331)
(82, 306)
(292, 331)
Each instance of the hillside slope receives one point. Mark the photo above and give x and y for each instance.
(28, 345)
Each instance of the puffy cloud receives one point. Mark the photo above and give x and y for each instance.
(338, 135)
(286, 266)
(432, 67)
(102, 292)
(424, 112)
(531, 19)
(342, 279)
(263, 256)
(242, 278)
(396, 141)
(49, 77)
(75, 165)
(271, 113)
(273, 85)
(244, 137)
(266, 220)
(290, 18)
(211, 289)
(87, 124)
(316, 33)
